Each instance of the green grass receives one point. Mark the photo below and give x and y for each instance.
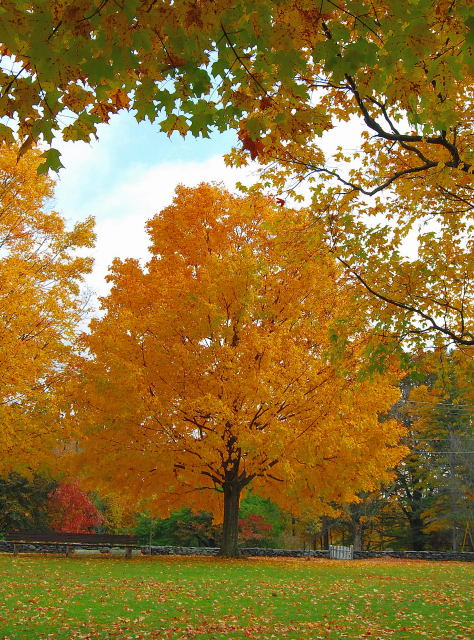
(87, 598)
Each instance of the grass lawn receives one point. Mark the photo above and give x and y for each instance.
(155, 598)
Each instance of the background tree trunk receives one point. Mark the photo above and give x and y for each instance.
(454, 538)
(326, 526)
(417, 534)
(357, 529)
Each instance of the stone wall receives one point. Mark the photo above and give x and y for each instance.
(180, 551)
(251, 552)
(461, 556)
(286, 553)
(56, 547)
(47, 547)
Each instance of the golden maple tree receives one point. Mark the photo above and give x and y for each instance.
(236, 356)
(41, 305)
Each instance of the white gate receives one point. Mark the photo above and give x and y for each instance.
(338, 552)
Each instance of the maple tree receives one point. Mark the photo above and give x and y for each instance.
(283, 74)
(71, 510)
(41, 305)
(211, 368)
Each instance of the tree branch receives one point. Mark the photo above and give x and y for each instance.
(465, 338)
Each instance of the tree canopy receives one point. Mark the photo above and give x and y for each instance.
(278, 71)
(217, 63)
(236, 356)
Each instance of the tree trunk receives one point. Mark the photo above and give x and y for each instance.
(230, 529)
(325, 523)
(357, 529)
(454, 538)
(417, 533)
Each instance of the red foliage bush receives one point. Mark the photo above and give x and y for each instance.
(71, 511)
(253, 528)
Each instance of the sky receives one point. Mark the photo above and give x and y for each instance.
(129, 174)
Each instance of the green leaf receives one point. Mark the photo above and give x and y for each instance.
(289, 63)
(142, 39)
(202, 119)
(6, 134)
(98, 70)
(327, 51)
(52, 161)
(200, 82)
(255, 126)
(44, 128)
(130, 8)
(165, 100)
(174, 123)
